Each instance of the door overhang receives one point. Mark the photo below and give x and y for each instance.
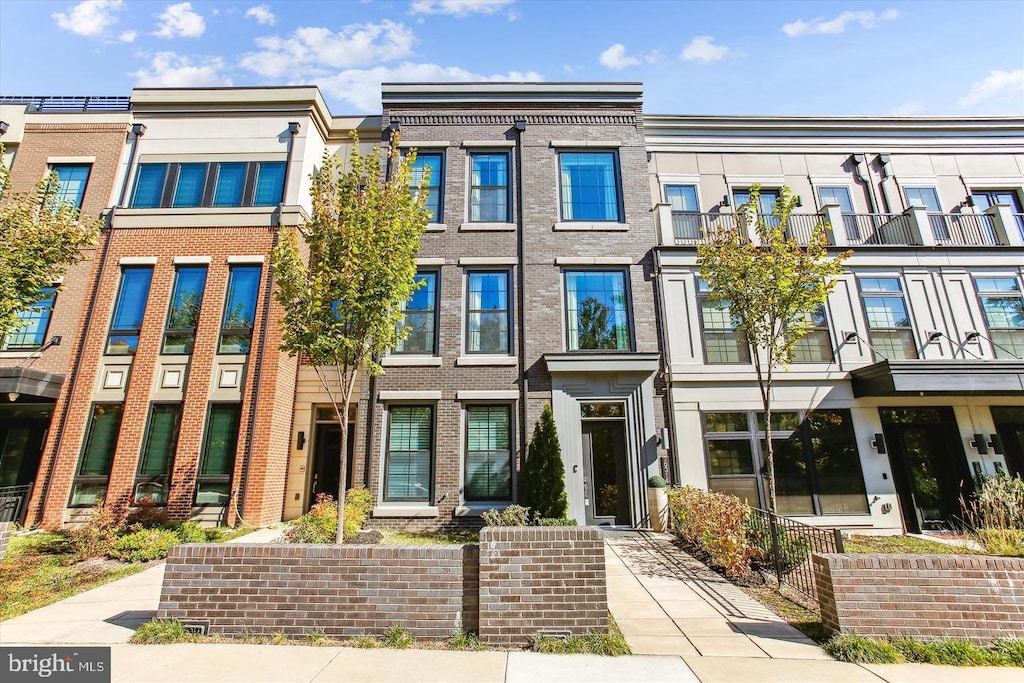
(30, 382)
(939, 378)
(602, 362)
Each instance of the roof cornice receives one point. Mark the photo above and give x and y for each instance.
(396, 94)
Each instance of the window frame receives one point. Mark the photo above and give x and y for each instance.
(46, 313)
(507, 310)
(95, 479)
(510, 409)
(472, 155)
(201, 477)
(824, 330)
(126, 331)
(901, 294)
(437, 182)
(623, 272)
(61, 193)
(620, 209)
(164, 479)
(1018, 295)
(182, 331)
(428, 500)
(746, 357)
(168, 185)
(680, 229)
(436, 309)
(226, 331)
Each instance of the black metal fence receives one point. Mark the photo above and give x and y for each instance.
(14, 503)
(786, 546)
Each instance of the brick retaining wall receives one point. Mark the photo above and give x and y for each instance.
(6, 528)
(926, 596)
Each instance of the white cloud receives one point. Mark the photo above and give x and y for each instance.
(460, 8)
(315, 48)
(703, 49)
(615, 57)
(911, 108)
(127, 36)
(170, 70)
(361, 87)
(180, 21)
(90, 18)
(262, 15)
(866, 19)
(996, 86)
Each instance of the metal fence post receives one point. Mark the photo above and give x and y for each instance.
(774, 530)
(839, 540)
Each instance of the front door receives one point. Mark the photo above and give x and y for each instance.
(326, 466)
(1010, 428)
(928, 465)
(605, 483)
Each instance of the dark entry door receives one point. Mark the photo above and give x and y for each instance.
(928, 464)
(606, 486)
(326, 466)
(1010, 427)
(23, 428)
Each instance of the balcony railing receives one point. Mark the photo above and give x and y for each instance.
(693, 228)
(36, 103)
(963, 229)
(800, 226)
(879, 228)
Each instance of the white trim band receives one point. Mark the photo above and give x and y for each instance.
(506, 395)
(138, 261)
(245, 259)
(409, 396)
(186, 260)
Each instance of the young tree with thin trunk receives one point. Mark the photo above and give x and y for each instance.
(344, 275)
(771, 286)
(40, 237)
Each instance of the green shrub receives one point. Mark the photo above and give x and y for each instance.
(554, 521)
(1008, 542)
(464, 640)
(542, 480)
(163, 631)
(396, 637)
(191, 532)
(144, 545)
(364, 642)
(861, 650)
(656, 482)
(996, 513)
(319, 525)
(95, 537)
(607, 644)
(358, 505)
(513, 515)
(1011, 648)
(714, 522)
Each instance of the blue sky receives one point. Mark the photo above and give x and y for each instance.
(802, 58)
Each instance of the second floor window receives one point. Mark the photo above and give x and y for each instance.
(889, 327)
(240, 309)
(597, 311)
(216, 184)
(71, 181)
(722, 343)
(815, 346)
(34, 322)
(487, 313)
(434, 161)
(189, 283)
(1004, 313)
(488, 201)
(420, 315)
(685, 216)
(130, 309)
(589, 186)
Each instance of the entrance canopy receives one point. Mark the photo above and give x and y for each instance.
(939, 378)
(29, 382)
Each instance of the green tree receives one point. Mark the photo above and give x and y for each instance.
(771, 285)
(40, 237)
(595, 332)
(542, 480)
(343, 276)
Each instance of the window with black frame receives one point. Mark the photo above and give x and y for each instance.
(208, 184)
(597, 310)
(487, 312)
(1003, 305)
(488, 471)
(90, 485)
(240, 309)
(129, 311)
(218, 461)
(408, 468)
(489, 187)
(722, 343)
(156, 461)
(183, 317)
(33, 324)
(419, 314)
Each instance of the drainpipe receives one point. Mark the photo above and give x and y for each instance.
(520, 128)
(883, 163)
(860, 163)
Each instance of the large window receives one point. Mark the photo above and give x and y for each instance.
(1004, 313)
(434, 162)
(840, 195)
(815, 346)
(722, 343)
(889, 327)
(180, 335)
(240, 309)
(408, 469)
(488, 474)
(983, 199)
(90, 485)
(817, 465)
(489, 187)
(685, 216)
(420, 315)
(33, 323)
(589, 186)
(130, 309)
(219, 447)
(487, 312)
(71, 182)
(218, 184)
(598, 313)
(157, 459)
(929, 199)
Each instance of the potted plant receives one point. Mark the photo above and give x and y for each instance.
(657, 501)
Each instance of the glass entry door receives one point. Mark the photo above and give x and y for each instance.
(606, 486)
(1010, 427)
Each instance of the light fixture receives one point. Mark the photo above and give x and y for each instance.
(395, 126)
(138, 129)
(978, 442)
(300, 442)
(13, 396)
(971, 337)
(521, 125)
(725, 201)
(878, 443)
(55, 340)
(3, 127)
(849, 337)
(293, 127)
(934, 336)
(799, 202)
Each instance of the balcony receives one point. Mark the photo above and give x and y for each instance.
(692, 228)
(879, 228)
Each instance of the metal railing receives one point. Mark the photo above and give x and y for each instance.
(801, 226)
(37, 103)
(786, 546)
(14, 503)
(693, 228)
(879, 228)
(963, 229)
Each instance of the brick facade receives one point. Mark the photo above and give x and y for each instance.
(924, 596)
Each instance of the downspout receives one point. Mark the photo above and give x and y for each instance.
(293, 129)
(883, 163)
(137, 130)
(860, 163)
(520, 128)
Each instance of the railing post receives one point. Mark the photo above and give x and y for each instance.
(663, 217)
(920, 223)
(834, 218)
(773, 530)
(1004, 225)
(839, 540)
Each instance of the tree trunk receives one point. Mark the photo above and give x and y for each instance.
(765, 384)
(342, 474)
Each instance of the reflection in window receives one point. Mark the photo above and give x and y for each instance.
(889, 329)
(33, 323)
(407, 472)
(189, 283)
(420, 315)
(71, 181)
(240, 309)
(685, 216)
(230, 184)
(596, 306)
(157, 457)
(90, 486)
(589, 186)
(815, 346)
(269, 183)
(189, 191)
(432, 162)
(219, 448)
(131, 307)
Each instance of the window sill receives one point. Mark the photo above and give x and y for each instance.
(410, 361)
(435, 227)
(478, 509)
(487, 360)
(591, 226)
(492, 227)
(405, 511)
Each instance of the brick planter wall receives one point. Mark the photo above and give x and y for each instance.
(541, 579)
(925, 596)
(6, 528)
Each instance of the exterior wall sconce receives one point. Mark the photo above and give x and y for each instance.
(726, 201)
(293, 127)
(849, 337)
(971, 337)
(878, 443)
(996, 442)
(799, 202)
(934, 336)
(979, 443)
(300, 442)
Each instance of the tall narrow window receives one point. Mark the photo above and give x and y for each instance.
(598, 315)
(685, 216)
(420, 315)
(488, 200)
(929, 199)
(97, 456)
(1004, 312)
(722, 343)
(487, 313)
(149, 186)
(130, 309)
(230, 184)
(157, 458)
(407, 472)
(71, 181)
(840, 195)
(189, 190)
(33, 323)
(219, 448)
(240, 309)
(488, 453)
(180, 336)
(434, 161)
(889, 327)
(589, 186)
(815, 346)
(269, 183)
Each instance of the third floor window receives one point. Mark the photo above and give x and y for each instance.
(213, 184)
(489, 191)
(71, 181)
(130, 309)
(240, 309)
(434, 162)
(589, 186)
(189, 283)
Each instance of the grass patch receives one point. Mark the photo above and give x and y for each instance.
(464, 640)
(164, 631)
(948, 652)
(805, 620)
(449, 537)
(901, 545)
(860, 650)
(608, 644)
(41, 568)
(397, 638)
(226, 533)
